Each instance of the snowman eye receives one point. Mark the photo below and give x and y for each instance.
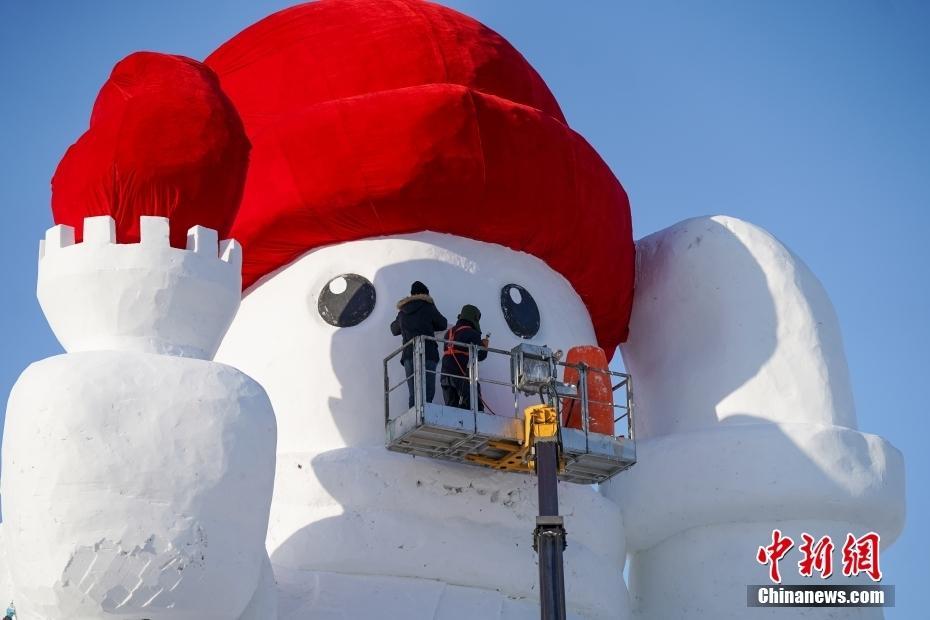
(520, 310)
(346, 300)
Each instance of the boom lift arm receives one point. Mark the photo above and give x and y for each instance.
(549, 542)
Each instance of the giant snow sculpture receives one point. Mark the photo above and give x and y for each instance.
(399, 141)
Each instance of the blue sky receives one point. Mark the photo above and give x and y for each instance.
(811, 119)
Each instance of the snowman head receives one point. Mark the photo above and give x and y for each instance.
(324, 367)
(385, 150)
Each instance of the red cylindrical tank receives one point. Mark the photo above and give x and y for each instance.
(600, 394)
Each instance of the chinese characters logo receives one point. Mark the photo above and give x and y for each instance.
(860, 555)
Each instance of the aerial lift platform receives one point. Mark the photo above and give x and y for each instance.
(530, 439)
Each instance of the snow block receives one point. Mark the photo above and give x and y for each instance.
(745, 423)
(145, 296)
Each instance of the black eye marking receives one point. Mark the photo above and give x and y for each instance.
(346, 300)
(520, 310)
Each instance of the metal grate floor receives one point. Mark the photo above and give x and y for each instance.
(453, 434)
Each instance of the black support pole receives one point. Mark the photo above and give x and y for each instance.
(549, 537)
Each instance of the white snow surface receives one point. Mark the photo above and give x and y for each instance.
(745, 424)
(136, 484)
(130, 488)
(345, 506)
(100, 295)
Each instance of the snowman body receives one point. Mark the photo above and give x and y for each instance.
(136, 472)
(356, 529)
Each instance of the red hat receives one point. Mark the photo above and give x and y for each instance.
(381, 117)
(367, 118)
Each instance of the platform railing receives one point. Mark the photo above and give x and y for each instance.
(621, 386)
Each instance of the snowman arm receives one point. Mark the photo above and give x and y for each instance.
(744, 408)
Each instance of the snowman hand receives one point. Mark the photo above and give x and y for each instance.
(744, 410)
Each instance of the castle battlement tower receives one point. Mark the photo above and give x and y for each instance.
(137, 472)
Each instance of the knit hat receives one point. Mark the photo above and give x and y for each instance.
(472, 314)
(418, 288)
(454, 133)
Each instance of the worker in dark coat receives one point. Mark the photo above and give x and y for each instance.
(418, 316)
(454, 380)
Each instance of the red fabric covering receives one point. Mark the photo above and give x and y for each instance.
(320, 51)
(163, 140)
(379, 117)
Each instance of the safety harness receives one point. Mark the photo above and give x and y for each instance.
(450, 344)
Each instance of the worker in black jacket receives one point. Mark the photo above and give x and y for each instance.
(454, 381)
(418, 316)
